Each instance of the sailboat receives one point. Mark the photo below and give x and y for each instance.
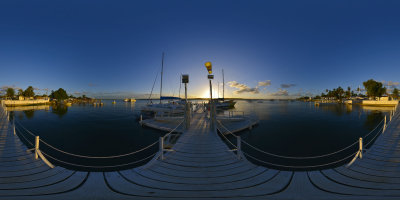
(171, 108)
(221, 103)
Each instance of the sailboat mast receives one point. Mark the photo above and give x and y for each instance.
(223, 85)
(162, 70)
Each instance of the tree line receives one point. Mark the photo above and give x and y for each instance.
(373, 89)
(59, 94)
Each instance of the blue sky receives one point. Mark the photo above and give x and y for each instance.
(113, 48)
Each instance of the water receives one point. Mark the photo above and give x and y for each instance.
(301, 129)
(288, 128)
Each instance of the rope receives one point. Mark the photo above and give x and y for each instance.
(109, 166)
(365, 136)
(375, 136)
(99, 157)
(166, 135)
(302, 157)
(24, 136)
(228, 140)
(95, 157)
(310, 166)
(32, 134)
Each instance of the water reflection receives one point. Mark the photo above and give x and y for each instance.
(25, 108)
(59, 110)
(29, 113)
(372, 119)
(337, 109)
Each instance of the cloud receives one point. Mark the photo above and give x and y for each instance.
(391, 84)
(287, 85)
(92, 85)
(242, 88)
(264, 83)
(280, 92)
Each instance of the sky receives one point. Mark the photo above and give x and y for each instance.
(268, 49)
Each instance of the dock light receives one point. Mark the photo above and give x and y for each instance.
(209, 67)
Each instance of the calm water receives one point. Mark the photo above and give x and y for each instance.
(287, 128)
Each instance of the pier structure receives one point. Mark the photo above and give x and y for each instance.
(202, 163)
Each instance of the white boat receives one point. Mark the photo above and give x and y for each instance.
(221, 103)
(171, 108)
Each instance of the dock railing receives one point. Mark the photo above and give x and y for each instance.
(165, 144)
(371, 137)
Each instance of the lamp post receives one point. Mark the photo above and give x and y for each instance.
(210, 77)
(185, 80)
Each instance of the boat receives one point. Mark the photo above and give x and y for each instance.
(114, 102)
(221, 103)
(130, 100)
(172, 108)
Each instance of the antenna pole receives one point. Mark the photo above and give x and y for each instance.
(162, 70)
(223, 85)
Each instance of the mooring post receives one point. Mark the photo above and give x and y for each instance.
(360, 147)
(384, 125)
(239, 146)
(36, 147)
(161, 147)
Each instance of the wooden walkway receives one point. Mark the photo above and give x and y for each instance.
(201, 167)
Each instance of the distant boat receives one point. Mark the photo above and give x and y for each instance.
(114, 102)
(130, 100)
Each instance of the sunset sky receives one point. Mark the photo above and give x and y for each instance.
(268, 49)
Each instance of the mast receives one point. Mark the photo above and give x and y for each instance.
(180, 84)
(162, 70)
(223, 85)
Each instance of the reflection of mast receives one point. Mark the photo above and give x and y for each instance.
(162, 69)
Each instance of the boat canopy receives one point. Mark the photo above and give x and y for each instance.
(169, 98)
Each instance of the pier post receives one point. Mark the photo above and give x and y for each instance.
(14, 128)
(239, 146)
(36, 147)
(360, 147)
(384, 125)
(161, 147)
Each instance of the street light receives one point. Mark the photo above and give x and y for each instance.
(210, 77)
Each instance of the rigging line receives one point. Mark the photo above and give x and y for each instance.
(152, 88)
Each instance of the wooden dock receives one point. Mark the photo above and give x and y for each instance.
(200, 166)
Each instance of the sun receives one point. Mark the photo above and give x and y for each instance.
(206, 93)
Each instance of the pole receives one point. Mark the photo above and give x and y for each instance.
(187, 114)
(361, 146)
(162, 70)
(384, 125)
(161, 147)
(223, 85)
(210, 91)
(239, 146)
(36, 147)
